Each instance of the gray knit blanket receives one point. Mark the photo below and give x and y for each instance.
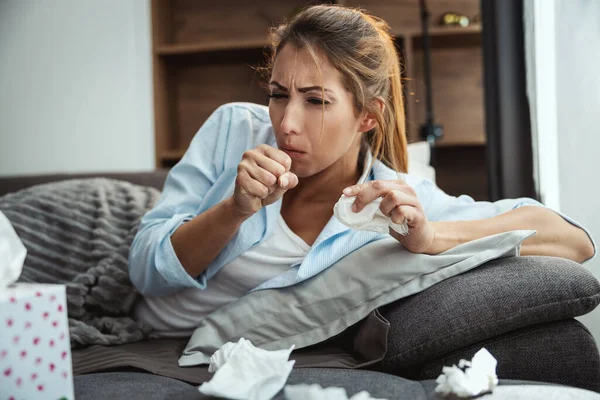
(78, 233)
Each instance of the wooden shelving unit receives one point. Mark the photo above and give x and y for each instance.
(203, 56)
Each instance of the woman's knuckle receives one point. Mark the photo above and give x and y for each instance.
(248, 155)
(270, 179)
(396, 195)
(360, 198)
(376, 184)
(286, 161)
(397, 217)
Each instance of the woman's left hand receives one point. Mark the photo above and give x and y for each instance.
(400, 202)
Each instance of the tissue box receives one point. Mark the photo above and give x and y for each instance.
(35, 350)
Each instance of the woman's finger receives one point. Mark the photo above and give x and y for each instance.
(355, 189)
(395, 198)
(251, 186)
(276, 155)
(404, 213)
(263, 176)
(288, 181)
(269, 164)
(369, 192)
(285, 182)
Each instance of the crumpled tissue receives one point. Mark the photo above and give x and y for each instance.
(12, 253)
(478, 377)
(316, 392)
(245, 372)
(370, 218)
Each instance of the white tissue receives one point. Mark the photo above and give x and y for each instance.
(245, 372)
(316, 392)
(479, 376)
(370, 218)
(12, 253)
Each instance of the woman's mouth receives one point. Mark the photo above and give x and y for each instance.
(293, 153)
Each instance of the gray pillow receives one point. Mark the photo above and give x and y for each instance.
(499, 297)
(78, 233)
(339, 297)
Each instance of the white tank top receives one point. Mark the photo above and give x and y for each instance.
(177, 315)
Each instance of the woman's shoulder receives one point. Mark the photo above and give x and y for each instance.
(239, 125)
(246, 111)
(382, 171)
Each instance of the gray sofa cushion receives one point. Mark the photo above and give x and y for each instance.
(559, 352)
(134, 385)
(139, 385)
(499, 297)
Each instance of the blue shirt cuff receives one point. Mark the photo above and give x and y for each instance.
(167, 263)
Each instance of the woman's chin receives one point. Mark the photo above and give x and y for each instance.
(300, 171)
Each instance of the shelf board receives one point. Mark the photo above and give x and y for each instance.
(470, 143)
(444, 31)
(225, 45)
(171, 155)
(260, 42)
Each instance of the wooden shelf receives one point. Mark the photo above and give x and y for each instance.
(260, 43)
(225, 45)
(444, 31)
(172, 155)
(204, 56)
(466, 143)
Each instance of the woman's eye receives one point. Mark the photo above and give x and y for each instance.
(318, 102)
(277, 96)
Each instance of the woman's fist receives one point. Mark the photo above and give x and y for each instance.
(263, 177)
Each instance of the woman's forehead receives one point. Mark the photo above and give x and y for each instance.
(296, 67)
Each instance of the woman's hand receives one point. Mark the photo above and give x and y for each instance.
(263, 177)
(399, 202)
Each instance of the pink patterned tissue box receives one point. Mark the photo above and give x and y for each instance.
(35, 350)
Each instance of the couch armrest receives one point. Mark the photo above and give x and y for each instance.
(495, 298)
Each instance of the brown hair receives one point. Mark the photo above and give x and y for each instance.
(360, 47)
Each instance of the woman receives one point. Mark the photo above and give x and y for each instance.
(250, 205)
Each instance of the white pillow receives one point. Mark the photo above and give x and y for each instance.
(419, 155)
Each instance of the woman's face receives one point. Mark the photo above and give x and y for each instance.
(296, 113)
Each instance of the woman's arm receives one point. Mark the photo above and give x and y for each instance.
(555, 236)
(440, 222)
(217, 226)
(263, 177)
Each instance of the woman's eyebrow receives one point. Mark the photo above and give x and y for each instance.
(301, 90)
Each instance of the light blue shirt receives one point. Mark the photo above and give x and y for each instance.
(205, 176)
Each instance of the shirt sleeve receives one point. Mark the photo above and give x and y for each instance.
(439, 206)
(154, 268)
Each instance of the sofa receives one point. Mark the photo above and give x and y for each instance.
(522, 309)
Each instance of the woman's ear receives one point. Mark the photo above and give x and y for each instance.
(369, 121)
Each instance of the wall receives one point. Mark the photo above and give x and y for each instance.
(75, 86)
(562, 42)
(578, 119)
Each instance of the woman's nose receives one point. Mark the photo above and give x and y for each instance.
(292, 119)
